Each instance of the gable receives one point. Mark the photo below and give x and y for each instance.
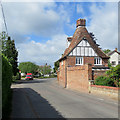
(83, 49)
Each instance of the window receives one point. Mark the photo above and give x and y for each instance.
(79, 60)
(113, 62)
(97, 61)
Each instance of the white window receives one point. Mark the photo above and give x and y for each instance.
(79, 60)
(97, 61)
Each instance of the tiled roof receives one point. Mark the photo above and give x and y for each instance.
(110, 53)
(80, 33)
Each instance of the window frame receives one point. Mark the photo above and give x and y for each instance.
(80, 62)
(97, 61)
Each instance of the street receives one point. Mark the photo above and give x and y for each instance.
(44, 98)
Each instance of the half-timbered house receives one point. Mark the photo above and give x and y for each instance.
(82, 54)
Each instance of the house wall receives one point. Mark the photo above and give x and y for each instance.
(86, 60)
(115, 57)
(62, 73)
(78, 77)
(97, 73)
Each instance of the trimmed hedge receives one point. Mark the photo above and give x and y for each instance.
(6, 83)
(104, 81)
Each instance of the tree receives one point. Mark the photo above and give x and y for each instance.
(46, 69)
(28, 67)
(106, 51)
(10, 51)
(56, 66)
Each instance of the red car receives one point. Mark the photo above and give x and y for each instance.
(29, 76)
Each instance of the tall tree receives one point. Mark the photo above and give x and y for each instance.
(10, 51)
(56, 66)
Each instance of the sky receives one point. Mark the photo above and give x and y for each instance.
(40, 29)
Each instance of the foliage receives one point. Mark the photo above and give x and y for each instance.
(104, 81)
(109, 64)
(28, 67)
(106, 51)
(112, 78)
(9, 50)
(6, 82)
(114, 74)
(56, 66)
(46, 69)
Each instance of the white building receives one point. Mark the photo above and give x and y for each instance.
(114, 57)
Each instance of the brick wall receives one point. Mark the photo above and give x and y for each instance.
(86, 60)
(62, 73)
(78, 77)
(89, 60)
(97, 73)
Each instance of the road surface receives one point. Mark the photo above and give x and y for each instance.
(44, 98)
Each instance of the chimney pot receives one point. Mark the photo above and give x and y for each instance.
(80, 22)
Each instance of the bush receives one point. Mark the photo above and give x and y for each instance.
(17, 77)
(104, 81)
(114, 74)
(6, 83)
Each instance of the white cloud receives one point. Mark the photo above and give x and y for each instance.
(42, 53)
(104, 24)
(80, 9)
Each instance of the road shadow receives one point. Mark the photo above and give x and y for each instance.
(27, 103)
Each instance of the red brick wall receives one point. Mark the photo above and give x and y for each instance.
(78, 77)
(89, 60)
(62, 73)
(71, 61)
(97, 73)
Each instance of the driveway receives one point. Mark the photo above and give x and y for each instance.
(44, 98)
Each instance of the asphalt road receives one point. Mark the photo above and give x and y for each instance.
(44, 98)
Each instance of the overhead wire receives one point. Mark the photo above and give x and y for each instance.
(4, 17)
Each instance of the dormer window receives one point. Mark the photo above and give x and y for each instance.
(97, 61)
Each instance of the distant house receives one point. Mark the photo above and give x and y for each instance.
(114, 57)
(83, 55)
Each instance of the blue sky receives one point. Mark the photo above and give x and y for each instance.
(40, 29)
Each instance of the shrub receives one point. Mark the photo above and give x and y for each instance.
(104, 80)
(114, 74)
(6, 83)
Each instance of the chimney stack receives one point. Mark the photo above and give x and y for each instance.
(80, 22)
(116, 49)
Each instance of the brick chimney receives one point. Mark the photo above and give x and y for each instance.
(116, 49)
(80, 22)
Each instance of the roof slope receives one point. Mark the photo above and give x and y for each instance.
(80, 33)
(110, 53)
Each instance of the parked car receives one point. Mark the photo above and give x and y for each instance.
(29, 76)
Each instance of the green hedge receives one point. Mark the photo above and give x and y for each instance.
(104, 81)
(6, 83)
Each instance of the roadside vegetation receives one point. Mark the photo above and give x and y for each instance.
(9, 71)
(43, 71)
(112, 77)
